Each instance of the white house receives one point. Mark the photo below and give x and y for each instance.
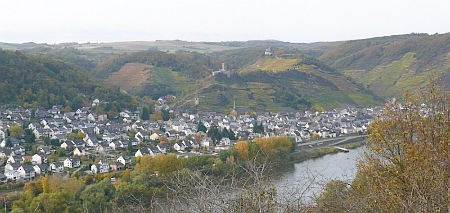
(225, 142)
(163, 147)
(67, 144)
(79, 151)
(15, 159)
(144, 151)
(91, 117)
(39, 158)
(45, 150)
(57, 166)
(6, 153)
(2, 134)
(125, 160)
(179, 146)
(12, 166)
(99, 168)
(40, 169)
(12, 175)
(26, 172)
(206, 142)
(91, 140)
(154, 137)
(71, 162)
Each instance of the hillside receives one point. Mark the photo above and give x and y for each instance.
(256, 83)
(280, 84)
(40, 81)
(390, 65)
(129, 76)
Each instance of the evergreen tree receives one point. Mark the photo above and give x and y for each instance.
(29, 136)
(130, 148)
(145, 115)
(201, 127)
(165, 114)
(225, 133)
(258, 128)
(9, 143)
(232, 135)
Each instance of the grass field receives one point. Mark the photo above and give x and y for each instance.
(134, 46)
(7, 46)
(273, 64)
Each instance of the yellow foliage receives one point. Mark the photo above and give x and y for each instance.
(272, 145)
(405, 167)
(161, 164)
(242, 149)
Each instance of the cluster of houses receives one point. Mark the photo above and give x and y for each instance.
(107, 137)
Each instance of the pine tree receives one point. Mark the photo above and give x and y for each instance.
(145, 115)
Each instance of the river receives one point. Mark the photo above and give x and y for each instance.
(306, 179)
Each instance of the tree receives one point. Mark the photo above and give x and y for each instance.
(157, 116)
(258, 128)
(165, 115)
(163, 139)
(67, 109)
(9, 143)
(198, 138)
(33, 114)
(55, 142)
(232, 135)
(201, 127)
(130, 147)
(242, 149)
(334, 196)
(225, 133)
(80, 135)
(47, 141)
(16, 131)
(126, 175)
(96, 197)
(29, 136)
(145, 114)
(406, 166)
(45, 184)
(76, 103)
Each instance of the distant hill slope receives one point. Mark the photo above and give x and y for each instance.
(129, 76)
(191, 64)
(257, 82)
(390, 65)
(280, 84)
(40, 81)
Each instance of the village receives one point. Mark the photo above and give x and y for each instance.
(82, 141)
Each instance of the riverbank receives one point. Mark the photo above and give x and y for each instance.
(307, 154)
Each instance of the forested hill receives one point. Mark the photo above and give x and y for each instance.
(40, 81)
(389, 65)
(191, 64)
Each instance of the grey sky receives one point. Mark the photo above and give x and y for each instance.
(56, 21)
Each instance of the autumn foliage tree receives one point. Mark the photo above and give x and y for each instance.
(16, 131)
(406, 167)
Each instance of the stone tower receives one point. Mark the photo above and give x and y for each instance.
(196, 100)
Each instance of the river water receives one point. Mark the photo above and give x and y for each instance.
(306, 180)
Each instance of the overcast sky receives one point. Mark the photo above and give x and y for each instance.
(56, 21)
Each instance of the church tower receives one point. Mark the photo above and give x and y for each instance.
(196, 100)
(233, 112)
